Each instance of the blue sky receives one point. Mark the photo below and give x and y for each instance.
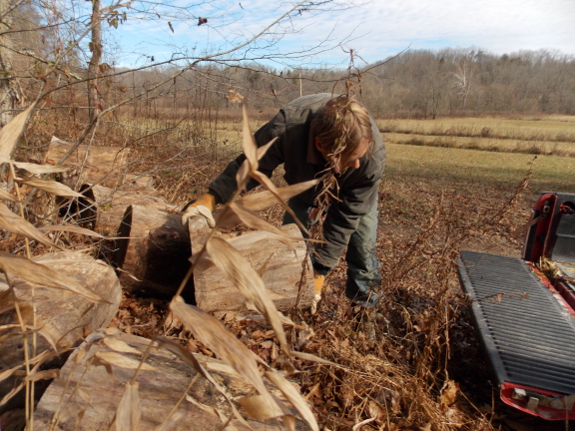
(374, 30)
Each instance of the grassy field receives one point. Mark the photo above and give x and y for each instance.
(550, 136)
(552, 128)
(481, 167)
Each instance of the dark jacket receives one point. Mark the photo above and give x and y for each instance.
(302, 162)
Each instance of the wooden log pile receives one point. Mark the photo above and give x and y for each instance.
(153, 249)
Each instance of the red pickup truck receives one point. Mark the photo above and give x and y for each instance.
(523, 310)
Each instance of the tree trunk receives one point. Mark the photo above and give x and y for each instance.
(9, 94)
(93, 66)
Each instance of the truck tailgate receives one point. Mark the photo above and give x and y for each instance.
(528, 335)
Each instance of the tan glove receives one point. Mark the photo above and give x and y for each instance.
(318, 281)
(203, 207)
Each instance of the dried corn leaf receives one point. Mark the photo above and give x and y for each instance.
(211, 332)
(171, 422)
(7, 373)
(7, 196)
(265, 181)
(243, 172)
(260, 201)
(10, 222)
(128, 413)
(294, 397)
(38, 359)
(41, 169)
(187, 356)
(53, 187)
(256, 408)
(122, 361)
(73, 229)
(261, 151)
(26, 270)
(239, 271)
(251, 220)
(120, 346)
(211, 410)
(10, 133)
(85, 397)
(288, 418)
(313, 358)
(43, 375)
(11, 394)
(248, 143)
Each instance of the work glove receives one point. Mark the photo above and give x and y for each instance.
(318, 281)
(203, 207)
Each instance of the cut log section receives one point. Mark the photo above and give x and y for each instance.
(62, 315)
(103, 208)
(282, 267)
(96, 165)
(153, 253)
(92, 396)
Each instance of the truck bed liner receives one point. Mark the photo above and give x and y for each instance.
(528, 335)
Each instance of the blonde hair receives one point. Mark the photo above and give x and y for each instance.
(342, 125)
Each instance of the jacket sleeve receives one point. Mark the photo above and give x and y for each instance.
(224, 186)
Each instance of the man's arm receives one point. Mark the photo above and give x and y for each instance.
(224, 186)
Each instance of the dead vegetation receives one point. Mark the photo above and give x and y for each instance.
(400, 364)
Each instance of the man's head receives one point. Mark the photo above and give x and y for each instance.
(342, 133)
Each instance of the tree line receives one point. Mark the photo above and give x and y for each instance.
(415, 84)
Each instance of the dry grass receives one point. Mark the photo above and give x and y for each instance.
(522, 130)
(564, 149)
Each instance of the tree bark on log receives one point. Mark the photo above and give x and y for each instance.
(110, 206)
(96, 165)
(159, 392)
(153, 253)
(66, 317)
(283, 267)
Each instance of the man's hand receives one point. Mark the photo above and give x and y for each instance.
(203, 207)
(318, 281)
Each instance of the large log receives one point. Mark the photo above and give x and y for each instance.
(99, 165)
(282, 265)
(64, 315)
(99, 394)
(103, 208)
(153, 252)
